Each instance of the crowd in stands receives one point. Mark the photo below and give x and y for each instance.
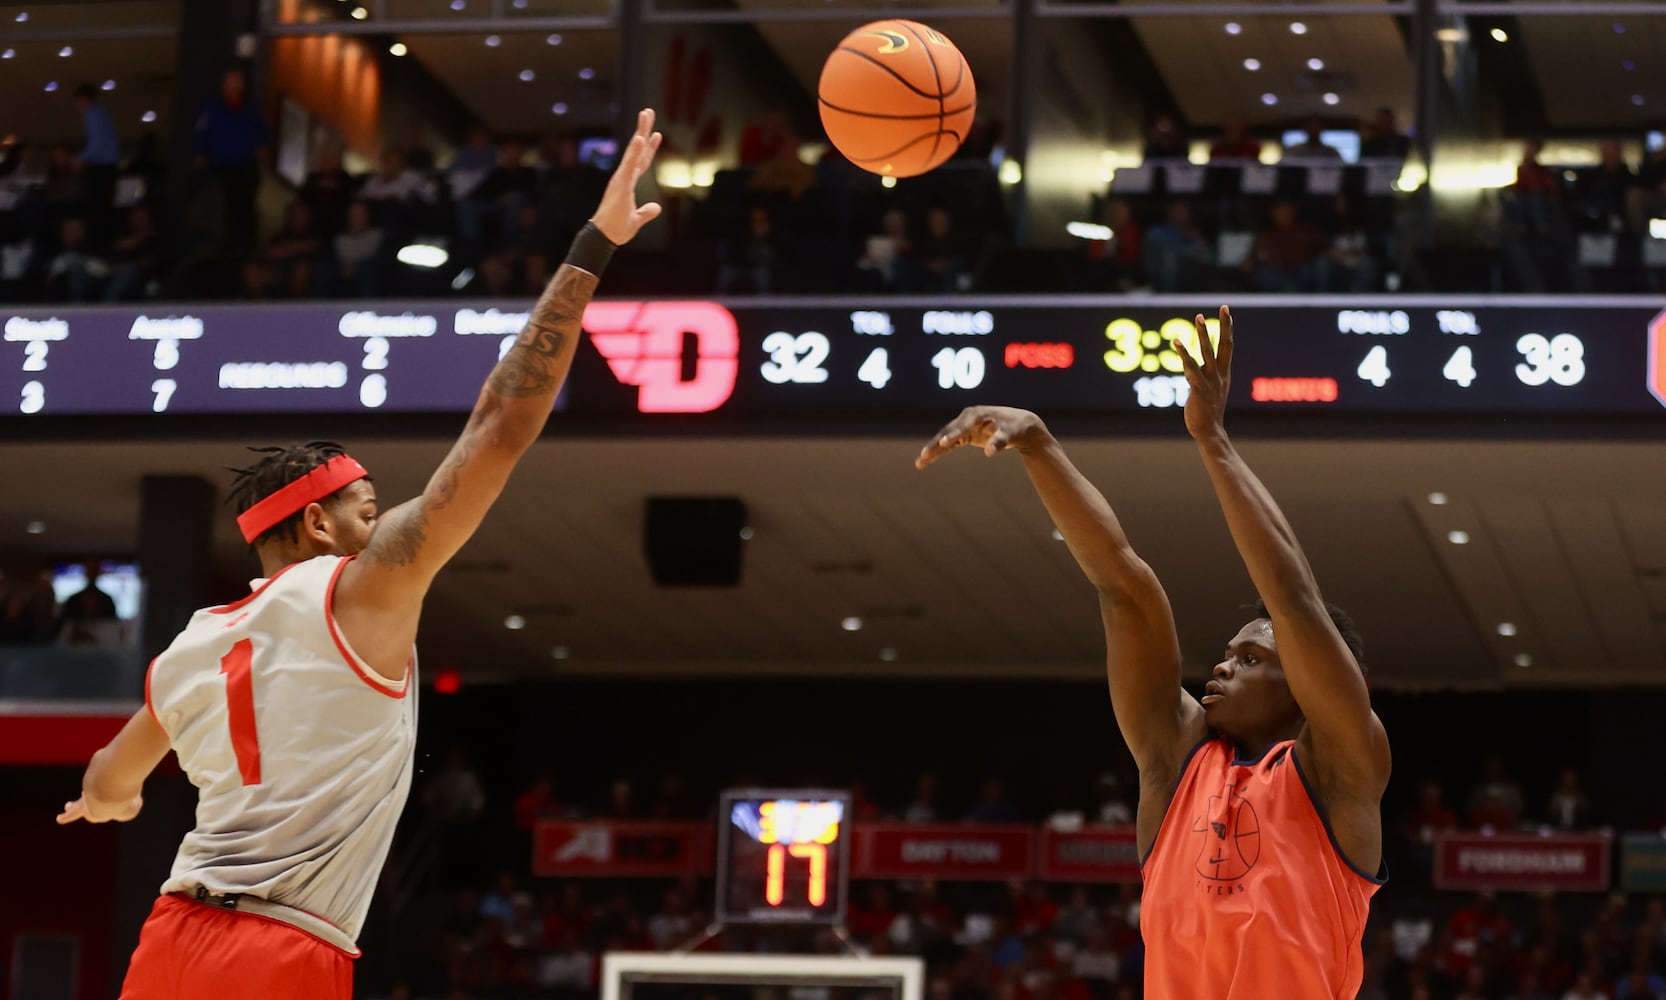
(31, 614)
(86, 225)
(503, 934)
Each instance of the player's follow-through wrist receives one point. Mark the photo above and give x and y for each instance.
(591, 250)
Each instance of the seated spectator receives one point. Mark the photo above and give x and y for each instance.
(538, 802)
(1285, 253)
(1473, 928)
(671, 801)
(1647, 198)
(288, 259)
(568, 188)
(889, 252)
(1599, 195)
(1642, 983)
(674, 923)
(1235, 143)
(500, 902)
(20, 259)
(923, 809)
(393, 190)
(1177, 258)
(1114, 802)
(358, 251)
(470, 165)
(1312, 147)
(1428, 817)
(494, 206)
(993, 805)
(762, 140)
(1496, 802)
(29, 611)
(942, 258)
(519, 261)
(328, 190)
(1163, 140)
(134, 256)
(417, 150)
(75, 273)
(621, 800)
(1569, 808)
(1097, 960)
(749, 263)
(1115, 263)
(1348, 266)
(1382, 139)
(1585, 988)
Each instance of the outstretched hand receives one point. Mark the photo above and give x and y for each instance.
(988, 427)
(80, 810)
(618, 216)
(1209, 379)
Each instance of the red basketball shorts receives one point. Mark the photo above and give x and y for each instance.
(194, 951)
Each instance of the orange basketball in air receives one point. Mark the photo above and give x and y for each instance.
(896, 98)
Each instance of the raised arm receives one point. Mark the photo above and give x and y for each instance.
(1159, 721)
(380, 593)
(116, 776)
(1327, 683)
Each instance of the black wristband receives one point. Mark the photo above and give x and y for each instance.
(591, 250)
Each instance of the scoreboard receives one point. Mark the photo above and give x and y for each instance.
(783, 856)
(769, 358)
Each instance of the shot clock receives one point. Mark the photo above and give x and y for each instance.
(783, 856)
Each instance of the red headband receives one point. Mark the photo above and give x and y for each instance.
(310, 488)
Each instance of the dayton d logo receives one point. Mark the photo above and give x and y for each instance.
(1231, 837)
(682, 356)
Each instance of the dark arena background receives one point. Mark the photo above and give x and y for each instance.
(717, 593)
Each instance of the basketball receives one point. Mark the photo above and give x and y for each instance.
(896, 98)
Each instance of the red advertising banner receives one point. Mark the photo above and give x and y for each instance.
(1094, 854)
(1566, 862)
(621, 849)
(955, 853)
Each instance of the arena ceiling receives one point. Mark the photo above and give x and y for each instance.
(954, 571)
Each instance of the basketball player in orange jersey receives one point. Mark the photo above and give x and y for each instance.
(293, 710)
(1259, 818)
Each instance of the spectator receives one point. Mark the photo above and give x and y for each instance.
(395, 193)
(1584, 988)
(1382, 139)
(671, 802)
(1097, 961)
(1428, 817)
(889, 252)
(328, 190)
(673, 924)
(519, 263)
(1033, 910)
(417, 150)
(942, 257)
(621, 802)
(1474, 986)
(88, 613)
(993, 805)
(75, 273)
(1312, 147)
(1647, 198)
(568, 188)
(1163, 140)
(750, 262)
(873, 916)
(784, 174)
(455, 795)
(493, 206)
(1569, 808)
(568, 966)
(1235, 143)
(1496, 802)
(538, 802)
(1471, 929)
(100, 155)
(1641, 983)
(470, 165)
(230, 140)
(134, 256)
(1115, 263)
(1114, 807)
(289, 258)
(358, 252)
(1285, 253)
(1599, 195)
(30, 611)
(1177, 258)
(923, 809)
(1533, 177)
(762, 140)
(1529, 987)
(499, 904)
(1347, 266)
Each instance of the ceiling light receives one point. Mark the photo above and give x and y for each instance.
(1506, 628)
(359, 13)
(514, 623)
(65, 52)
(36, 528)
(1058, 536)
(1252, 64)
(1438, 499)
(552, 39)
(1315, 64)
(888, 654)
(148, 116)
(1298, 28)
(560, 653)
(1523, 660)
(519, 4)
(1619, 29)
(746, 534)
(1089, 230)
(887, 182)
(1269, 99)
(22, 16)
(1332, 99)
(1637, 99)
(851, 624)
(1625, 64)
(1499, 35)
(559, 108)
(397, 49)
(9, 54)
(51, 85)
(422, 255)
(587, 73)
(108, 85)
(527, 76)
(458, 4)
(1458, 537)
(493, 41)
(1234, 28)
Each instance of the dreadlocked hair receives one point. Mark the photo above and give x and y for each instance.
(278, 467)
(1345, 627)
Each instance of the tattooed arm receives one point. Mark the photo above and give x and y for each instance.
(379, 595)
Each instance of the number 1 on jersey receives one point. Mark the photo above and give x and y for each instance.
(240, 705)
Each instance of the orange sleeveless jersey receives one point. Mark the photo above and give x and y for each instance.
(1246, 894)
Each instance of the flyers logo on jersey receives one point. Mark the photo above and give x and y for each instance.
(653, 345)
(1231, 837)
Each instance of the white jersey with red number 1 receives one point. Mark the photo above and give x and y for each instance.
(301, 754)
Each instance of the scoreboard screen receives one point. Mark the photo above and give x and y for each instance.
(770, 358)
(783, 857)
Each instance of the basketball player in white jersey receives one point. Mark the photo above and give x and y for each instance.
(293, 710)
